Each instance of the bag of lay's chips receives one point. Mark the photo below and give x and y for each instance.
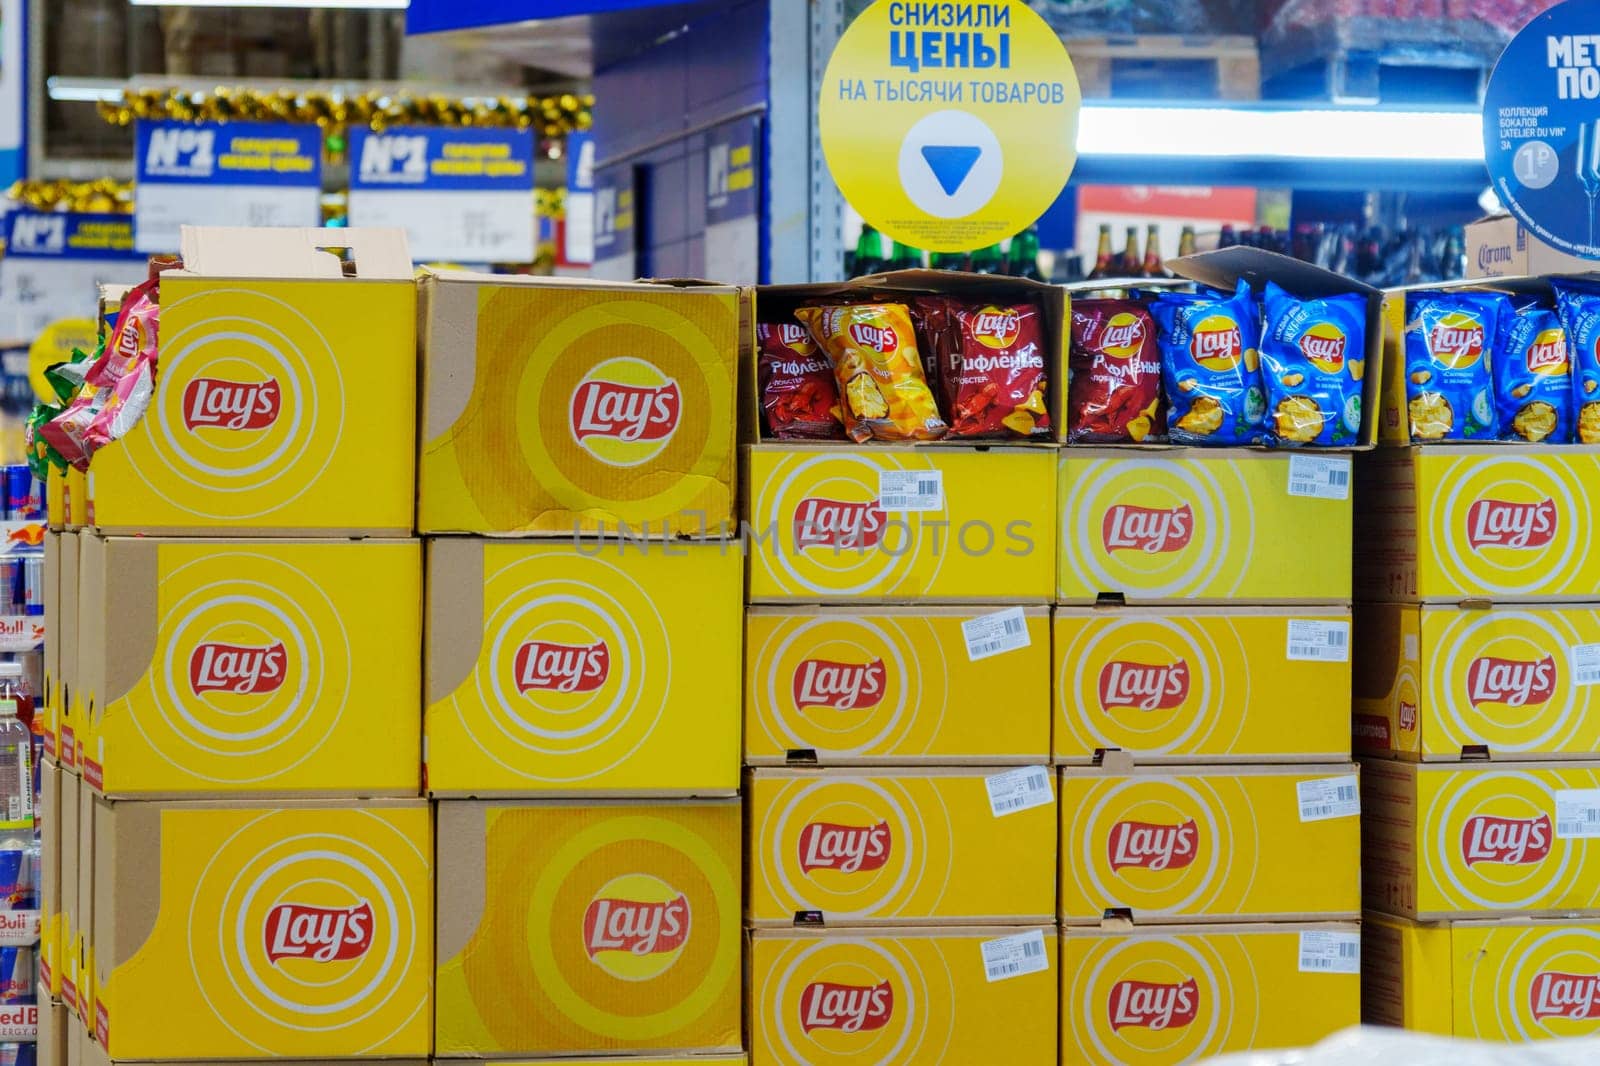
(798, 396)
(1210, 366)
(1579, 307)
(874, 354)
(1450, 339)
(1313, 357)
(1533, 377)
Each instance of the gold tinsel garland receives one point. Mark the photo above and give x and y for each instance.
(104, 195)
(551, 203)
(547, 116)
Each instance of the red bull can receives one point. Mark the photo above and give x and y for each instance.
(17, 977)
(11, 595)
(32, 584)
(24, 497)
(19, 1055)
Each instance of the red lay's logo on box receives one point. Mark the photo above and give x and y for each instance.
(1147, 529)
(824, 523)
(321, 934)
(1508, 841)
(1153, 846)
(635, 928)
(1513, 682)
(1504, 524)
(628, 413)
(1145, 686)
(847, 1008)
(1573, 996)
(840, 686)
(546, 665)
(238, 668)
(1154, 1005)
(846, 848)
(234, 405)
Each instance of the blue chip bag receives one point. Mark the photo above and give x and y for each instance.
(1210, 366)
(1579, 306)
(1313, 357)
(1533, 377)
(1450, 339)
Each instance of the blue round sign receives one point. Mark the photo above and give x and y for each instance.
(1541, 127)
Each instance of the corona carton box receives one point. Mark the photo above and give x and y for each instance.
(1511, 682)
(962, 994)
(570, 928)
(1159, 997)
(1203, 525)
(846, 685)
(1468, 840)
(1501, 980)
(1203, 684)
(64, 968)
(251, 666)
(291, 930)
(868, 847)
(886, 522)
(71, 713)
(1234, 844)
(554, 406)
(50, 867)
(284, 399)
(46, 712)
(576, 668)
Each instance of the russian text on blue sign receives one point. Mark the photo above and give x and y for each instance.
(228, 153)
(444, 159)
(70, 235)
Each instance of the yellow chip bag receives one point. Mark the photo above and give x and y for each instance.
(874, 354)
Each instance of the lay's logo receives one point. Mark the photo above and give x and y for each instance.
(1547, 354)
(838, 686)
(1408, 716)
(635, 927)
(1495, 523)
(629, 413)
(1124, 336)
(320, 934)
(1143, 686)
(1216, 343)
(793, 336)
(997, 327)
(1152, 846)
(544, 666)
(821, 522)
(880, 339)
(1153, 1005)
(235, 405)
(1324, 344)
(1456, 340)
(237, 668)
(1513, 682)
(846, 848)
(846, 1008)
(1510, 841)
(1147, 529)
(1554, 994)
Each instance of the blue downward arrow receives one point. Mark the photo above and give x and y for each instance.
(951, 164)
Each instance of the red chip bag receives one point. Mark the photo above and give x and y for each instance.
(1115, 394)
(994, 377)
(798, 396)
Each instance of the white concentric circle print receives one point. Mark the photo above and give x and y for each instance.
(780, 995)
(1458, 636)
(1444, 843)
(1211, 994)
(1199, 659)
(1091, 842)
(1477, 574)
(1509, 1018)
(905, 854)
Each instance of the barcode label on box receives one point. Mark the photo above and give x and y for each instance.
(1585, 660)
(992, 634)
(1323, 952)
(1013, 956)
(1328, 797)
(1325, 477)
(911, 490)
(1019, 789)
(1326, 642)
(1577, 813)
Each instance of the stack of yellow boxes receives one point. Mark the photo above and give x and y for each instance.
(1480, 726)
(901, 840)
(241, 863)
(582, 667)
(1209, 884)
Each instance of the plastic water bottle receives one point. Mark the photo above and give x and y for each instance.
(16, 768)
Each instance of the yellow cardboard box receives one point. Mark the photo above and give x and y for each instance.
(1469, 840)
(854, 998)
(55, 499)
(1511, 682)
(1203, 684)
(885, 523)
(906, 846)
(1500, 522)
(75, 498)
(64, 969)
(554, 406)
(1204, 525)
(1159, 997)
(847, 685)
(1226, 844)
(567, 928)
(50, 865)
(1502, 980)
(80, 970)
(47, 714)
(582, 668)
(285, 395)
(251, 666)
(291, 930)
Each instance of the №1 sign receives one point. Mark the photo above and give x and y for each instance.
(55, 263)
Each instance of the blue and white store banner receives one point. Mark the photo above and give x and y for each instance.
(580, 198)
(615, 243)
(462, 195)
(13, 91)
(54, 266)
(733, 204)
(223, 174)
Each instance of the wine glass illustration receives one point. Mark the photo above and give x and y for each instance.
(1588, 167)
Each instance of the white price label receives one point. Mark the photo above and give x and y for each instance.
(1327, 642)
(1324, 477)
(1019, 789)
(1585, 660)
(1013, 956)
(911, 490)
(1322, 952)
(1577, 813)
(1412, 648)
(992, 634)
(1328, 797)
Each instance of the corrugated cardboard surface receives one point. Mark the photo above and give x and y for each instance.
(857, 685)
(50, 864)
(890, 846)
(47, 702)
(71, 711)
(534, 953)
(66, 971)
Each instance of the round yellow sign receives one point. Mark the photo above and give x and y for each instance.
(949, 125)
(54, 345)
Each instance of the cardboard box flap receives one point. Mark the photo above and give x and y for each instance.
(472, 277)
(911, 281)
(1223, 268)
(239, 252)
(1070, 932)
(902, 932)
